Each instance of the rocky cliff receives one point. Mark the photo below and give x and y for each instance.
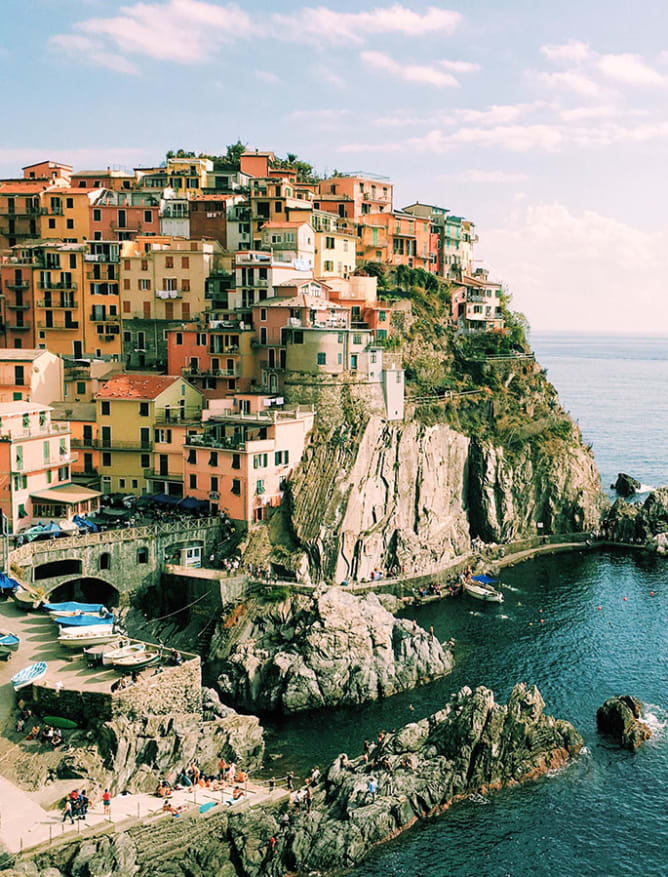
(331, 650)
(473, 745)
(646, 522)
(413, 495)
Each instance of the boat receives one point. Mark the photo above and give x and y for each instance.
(481, 588)
(9, 643)
(136, 662)
(83, 620)
(60, 722)
(79, 638)
(95, 654)
(27, 600)
(123, 652)
(28, 675)
(74, 608)
(8, 585)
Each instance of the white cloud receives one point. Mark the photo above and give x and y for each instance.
(497, 114)
(329, 25)
(575, 114)
(573, 80)
(629, 69)
(459, 66)
(570, 270)
(426, 75)
(572, 52)
(268, 77)
(93, 52)
(325, 74)
(481, 176)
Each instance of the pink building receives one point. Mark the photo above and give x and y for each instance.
(121, 216)
(245, 456)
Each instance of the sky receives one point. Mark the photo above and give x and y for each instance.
(544, 123)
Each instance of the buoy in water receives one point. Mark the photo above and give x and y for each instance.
(542, 621)
(651, 593)
(599, 608)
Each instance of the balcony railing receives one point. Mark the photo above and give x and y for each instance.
(18, 327)
(18, 306)
(169, 294)
(70, 326)
(35, 432)
(47, 303)
(209, 372)
(102, 257)
(18, 285)
(63, 284)
(114, 445)
(162, 476)
(109, 318)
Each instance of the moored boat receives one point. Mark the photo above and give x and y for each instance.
(27, 600)
(95, 654)
(28, 675)
(481, 588)
(136, 662)
(81, 637)
(83, 620)
(71, 607)
(9, 642)
(125, 651)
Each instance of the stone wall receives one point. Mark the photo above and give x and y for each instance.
(175, 690)
(328, 396)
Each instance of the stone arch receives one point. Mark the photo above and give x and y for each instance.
(87, 589)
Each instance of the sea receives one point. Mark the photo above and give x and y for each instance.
(604, 632)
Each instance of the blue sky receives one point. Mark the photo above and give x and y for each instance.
(547, 124)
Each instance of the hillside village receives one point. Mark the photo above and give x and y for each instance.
(171, 332)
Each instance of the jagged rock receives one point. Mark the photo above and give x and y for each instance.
(659, 544)
(634, 522)
(619, 717)
(626, 485)
(335, 649)
(472, 745)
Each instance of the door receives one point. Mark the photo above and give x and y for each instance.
(106, 436)
(77, 347)
(87, 435)
(145, 437)
(164, 464)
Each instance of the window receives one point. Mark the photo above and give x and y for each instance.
(22, 509)
(192, 456)
(259, 461)
(73, 260)
(143, 409)
(63, 473)
(263, 314)
(70, 223)
(259, 486)
(298, 337)
(178, 339)
(192, 481)
(19, 376)
(322, 359)
(142, 555)
(144, 285)
(106, 459)
(328, 265)
(121, 483)
(330, 243)
(357, 339)
(105, 408)
(169, 261)
(214, 484)
(236, 461)
(185, 261)
(52, 223)
(148, 216)
(281, 458)
(236, 487)
(163, 436)
(126, 284)
(135, 483)
(105, 560)
(69, 203)
(213, 458)
(382, 316)
(144, 264)
(81, 388)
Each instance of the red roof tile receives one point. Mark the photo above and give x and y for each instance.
(136, 386)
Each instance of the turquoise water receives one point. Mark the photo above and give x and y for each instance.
(606, 814)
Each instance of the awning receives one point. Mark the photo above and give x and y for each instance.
(115, 513)
(190, 504)
(7, 583)
(68, 493)
(484, 580)
(165, 499)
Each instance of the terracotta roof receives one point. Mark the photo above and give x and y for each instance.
(296, 224)
(221, 197)
(27, 188)
(300, 281)
(20, 355)
(302, 301)
(136, 386)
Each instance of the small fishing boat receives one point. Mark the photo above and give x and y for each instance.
(135, 649)
(83, 620)
(481, 588)
(81, 637)
(27, 600)
(95, 654)
(73, 608)
(9, 643)
(28, 675)
(136, 662)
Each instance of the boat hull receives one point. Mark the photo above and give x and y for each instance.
(28, 675)
(125, 651)
(138, 662)
(487, 595)
(83, 640)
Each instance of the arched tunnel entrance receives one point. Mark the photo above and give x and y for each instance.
(86, 590)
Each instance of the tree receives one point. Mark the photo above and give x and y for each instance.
(234, 152)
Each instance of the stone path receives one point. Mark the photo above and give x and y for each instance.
(24, 824)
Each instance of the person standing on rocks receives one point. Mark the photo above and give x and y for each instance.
(373, 788)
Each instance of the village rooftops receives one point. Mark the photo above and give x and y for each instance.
(302, 301)
(48, 162)
(21, 355)
(9, 409)
(81, 411)
(136, 386)
(26, 187)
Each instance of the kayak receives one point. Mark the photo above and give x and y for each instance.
(28, 675)
(60, 722)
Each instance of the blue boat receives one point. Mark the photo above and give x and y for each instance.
(28, 675)
(84, 620)
(73, 606)
(8, 585)
(9, 643)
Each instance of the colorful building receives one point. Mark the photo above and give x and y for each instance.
(292, 242)
(129, 410)
(121, 216)
(66, 214)
(366, 193)
(35, 458)
(82, 420)
(30, 376)
(476, 303)
(241, 462)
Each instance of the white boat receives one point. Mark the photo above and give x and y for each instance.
(29, 675)
(134, 650)
(95, 654)
(136, 662)
(480, 587)
(82, 637)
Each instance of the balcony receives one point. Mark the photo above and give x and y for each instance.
(209, 373)
(102, 257)
(169, 294)
(163, 476)
(17, 306)
(54, 305)
(72, 326)
(114, 445)
(18, 327)
(18, 285)
(109, 318)
(63, 284)
(36, 432)
(91, 275)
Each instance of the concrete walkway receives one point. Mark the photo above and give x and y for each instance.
(24, 824)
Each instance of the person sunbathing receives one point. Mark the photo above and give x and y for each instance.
(34, 734)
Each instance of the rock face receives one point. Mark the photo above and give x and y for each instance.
(332, 650)
(473, 745)
(412, 496)
(619, 717)
(626, 485)
(634, 522)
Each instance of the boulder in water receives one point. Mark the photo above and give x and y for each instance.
(619, 717)
(626, 485)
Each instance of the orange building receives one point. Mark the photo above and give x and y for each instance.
(368, 193)
(18, 289)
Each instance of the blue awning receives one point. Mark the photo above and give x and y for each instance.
(7, 583)
(165, 499)
(192, 504)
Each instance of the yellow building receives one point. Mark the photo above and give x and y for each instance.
(101, 300)
(335, 246)
(59, 292)
(66, 214)
(131, 411)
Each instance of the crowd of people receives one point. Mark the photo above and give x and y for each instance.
(76, 805)
(36, 728)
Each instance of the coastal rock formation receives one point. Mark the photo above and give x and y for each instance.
(626, 485)
(411, 496)
(331, 650)
(639, 522)
(473, 745)
(619, 717)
